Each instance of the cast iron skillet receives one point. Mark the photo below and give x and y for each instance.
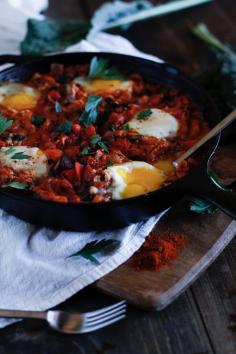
(87, 217)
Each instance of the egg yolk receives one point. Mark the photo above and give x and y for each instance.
(105, 85)
(165, 165)
(20, 102)
(140, 181)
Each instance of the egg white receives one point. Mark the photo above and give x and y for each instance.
(158, 124)
(18, 96)
(36, 164)
(103, 86)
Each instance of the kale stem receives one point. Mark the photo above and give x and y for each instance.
(202, 32)
(159, 10)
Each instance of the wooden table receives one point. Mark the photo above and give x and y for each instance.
(203, 319)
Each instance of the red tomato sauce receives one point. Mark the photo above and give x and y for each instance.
(75, 164)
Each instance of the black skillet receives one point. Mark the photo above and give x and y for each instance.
(87, 217)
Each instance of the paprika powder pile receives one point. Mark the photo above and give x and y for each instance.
(159, 250)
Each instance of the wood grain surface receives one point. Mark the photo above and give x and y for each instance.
(206, 237)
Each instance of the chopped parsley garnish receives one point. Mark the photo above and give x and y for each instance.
(90, 113)
(110, 163)
(20, 156)
(97, 140)
(9, 151)
(4, 123)
(135, 137)
(58, 108)
(200, 206)
(38, 120)
(65, 127)
(93, 247)
(86, 151)
(101, 68)
(125, 127)
(16, 185)
(143, 115)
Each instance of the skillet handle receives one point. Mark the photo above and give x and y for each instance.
(16, 59)
(201, 186)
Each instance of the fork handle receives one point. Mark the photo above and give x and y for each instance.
(23, 314)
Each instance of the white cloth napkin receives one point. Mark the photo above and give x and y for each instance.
(36, 273)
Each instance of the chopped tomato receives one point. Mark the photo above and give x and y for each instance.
(53, 154)
(76, 128)
(78, 171)
(69, 174)
(55, 95)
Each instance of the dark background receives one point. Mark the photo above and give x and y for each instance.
(203, 319)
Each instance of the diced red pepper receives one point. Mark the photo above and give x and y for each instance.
(116, 119)
(55, 95)
(76, 128)
(69, 175)
(90, 131)
(88, 173)
(78, 170)
(53, 153)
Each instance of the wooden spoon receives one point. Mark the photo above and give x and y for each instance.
(218, 128)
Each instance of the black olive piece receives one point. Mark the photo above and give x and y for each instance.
(86, 197)
(65, 79)
(83, 192)
(65, 163)
(50, 161)
(18, 137)
(103, 117)
(111, 103)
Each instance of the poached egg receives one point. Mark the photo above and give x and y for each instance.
(102, 85)
(154, 122)
(18, 96)
(134, 178)
(30, 159)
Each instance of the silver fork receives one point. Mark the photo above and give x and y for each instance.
(74, 323)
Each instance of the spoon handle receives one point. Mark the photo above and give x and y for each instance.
(218, 128)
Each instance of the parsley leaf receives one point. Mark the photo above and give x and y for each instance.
(135, 137)
(9, 151)
(16, 185)
(143, 115)
(104, 245)
(90, 113)
(101, 68)
(38, 120)
(4, 123)
(201, 206)
(110, 163)
(65, 127)
(20, 156)
(86, 151)
(97, 140)
(58, 108)
(125, 127)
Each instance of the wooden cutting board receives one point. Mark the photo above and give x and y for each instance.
(207, 236)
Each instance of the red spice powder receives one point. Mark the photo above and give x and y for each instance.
(158, 250)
